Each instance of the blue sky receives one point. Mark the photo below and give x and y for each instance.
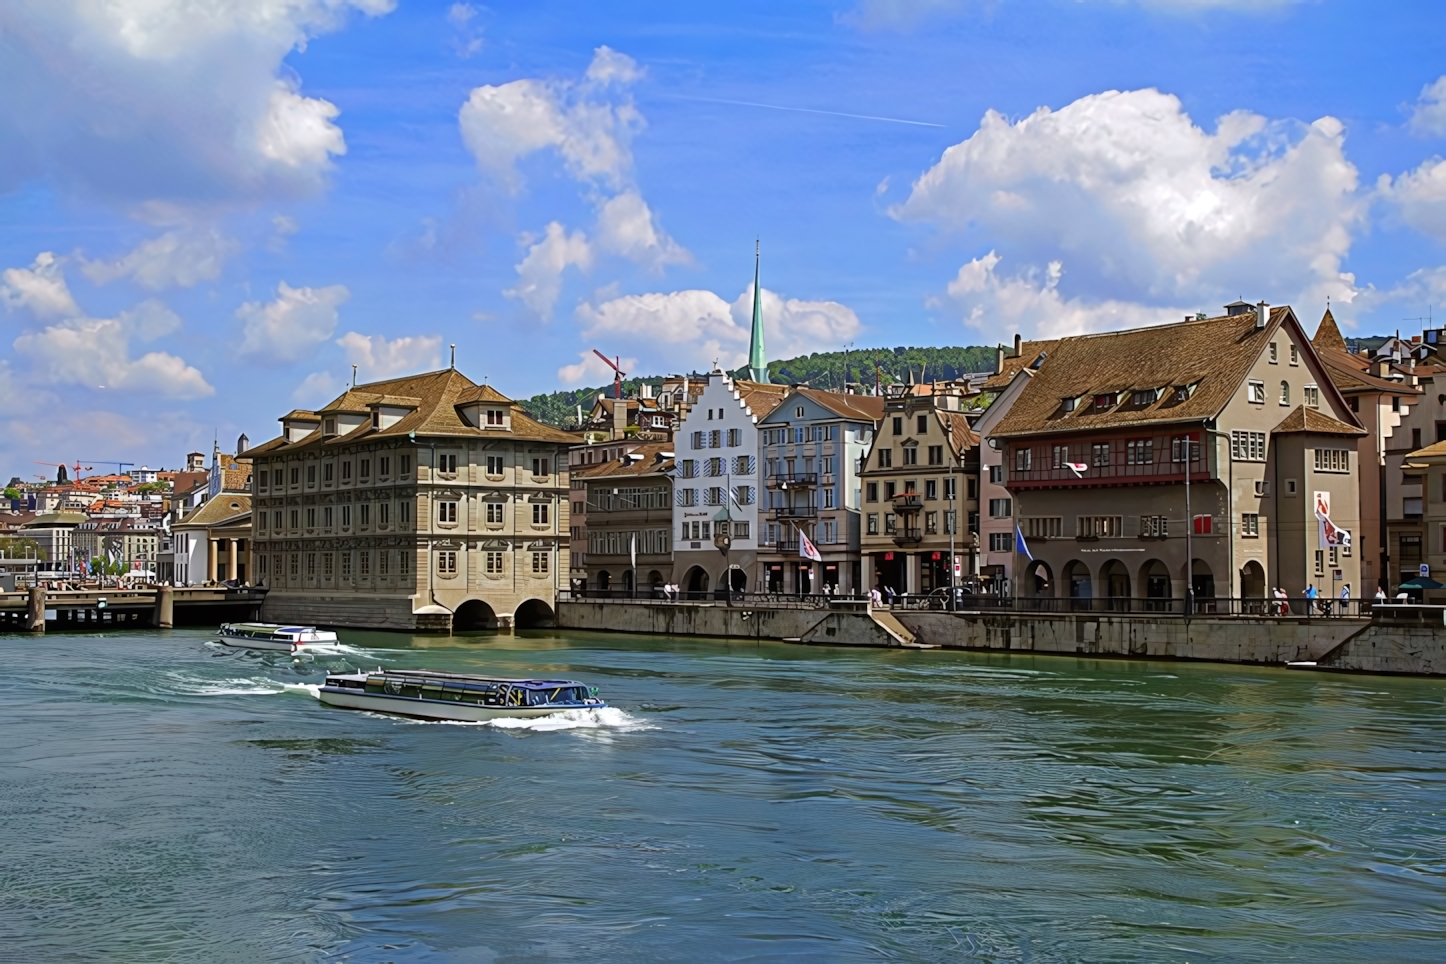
(214, 210)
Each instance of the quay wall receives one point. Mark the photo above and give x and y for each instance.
(349, 611)
(1233, 639)
(1403, 639)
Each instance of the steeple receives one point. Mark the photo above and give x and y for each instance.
(757, 361)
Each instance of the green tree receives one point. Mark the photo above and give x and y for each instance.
(21, 548)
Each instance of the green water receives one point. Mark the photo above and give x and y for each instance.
(162, 799)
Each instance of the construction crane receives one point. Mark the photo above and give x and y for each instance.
(618, 373)
(61, 465)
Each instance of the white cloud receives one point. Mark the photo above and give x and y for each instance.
(1143, 205)
(41, 288)
(1419, 197)
(133, 100)
(539, 276)
(290, 327)
(591, 368)
(316, 389)
(626, 226)
(377, 358)
(468, 38)
(94, 352)
(694, 328)
(179, 258)
(590, 123)
(1428, 116)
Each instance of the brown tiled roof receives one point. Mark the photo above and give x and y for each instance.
(761, 397)
(1351, 373)
(437, 396)
(220, 510)
(1028, 352)
(961, 435)
(1213, 355)
(649, 464)
(1327, 335)
(1434, 450)
(1304, 419)
(865, 408)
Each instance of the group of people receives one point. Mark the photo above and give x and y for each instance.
(877, 596)
(670, 591)
(1314, 600)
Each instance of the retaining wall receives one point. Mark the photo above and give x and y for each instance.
(1402, 639)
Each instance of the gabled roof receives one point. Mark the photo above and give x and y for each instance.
(761, 397)
(864, 408)
(1328, 335)
(651, 463)
(961, 435)
(1304, 419)
(223, 509)
(1213, 355)
(1351, 373)
(1029, 351)
(438, 398)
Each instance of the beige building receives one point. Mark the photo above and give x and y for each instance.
(625, 494)
(919, 486)
(425, 502)
(1222, 435)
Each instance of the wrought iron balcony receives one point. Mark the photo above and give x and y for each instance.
(793, 480)
(908, 537)
(795, 512)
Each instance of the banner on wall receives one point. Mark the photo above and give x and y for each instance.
(1330, 534)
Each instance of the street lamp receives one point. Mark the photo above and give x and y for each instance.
(723, 539)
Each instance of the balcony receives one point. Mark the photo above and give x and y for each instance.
(795, 512)
(787, 547)
(908, 502)
(908, 537)
(793, 480)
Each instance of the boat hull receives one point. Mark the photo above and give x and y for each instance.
(433, 709)
(279, 646)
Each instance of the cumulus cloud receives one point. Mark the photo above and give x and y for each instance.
(1138, 203)
(697, 327)
(467, 36)
(133, 100)
(317, 389)
(291, 326)
(1419, 197)
(539, 276)
(1428, 116)
(41, 288)
(179, 258)
(377, 358)
(626, 227)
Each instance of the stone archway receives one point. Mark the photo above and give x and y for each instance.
(473, 616)
(1077, 582)
(1202, 585)
(695, 583)
(1252, 587)
(1155, 580)
(534, 614)
(604, 581)
(1115, 581)
(1038, 580)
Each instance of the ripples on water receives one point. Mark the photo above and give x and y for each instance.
(168, 800)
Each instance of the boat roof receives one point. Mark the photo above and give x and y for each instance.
(275, 627)
(454, 677)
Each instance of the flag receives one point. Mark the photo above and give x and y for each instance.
(1078, 468)
(1330, 535)
(1019, 541)
(633, 549)
(806, 548)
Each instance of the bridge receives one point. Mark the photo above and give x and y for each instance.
(163, 607)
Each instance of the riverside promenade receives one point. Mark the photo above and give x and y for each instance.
(1381, 638)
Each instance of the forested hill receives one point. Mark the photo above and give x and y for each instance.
(821, 370)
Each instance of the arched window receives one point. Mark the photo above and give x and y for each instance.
(1285, 393)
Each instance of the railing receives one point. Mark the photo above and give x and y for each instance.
(791, 480)
(908, 537)
(794, 512)
(738, 600)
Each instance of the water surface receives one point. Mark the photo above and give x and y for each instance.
(163, 799)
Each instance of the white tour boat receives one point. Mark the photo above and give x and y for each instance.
(287, 639)
(453, 696)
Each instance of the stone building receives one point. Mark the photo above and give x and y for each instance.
(920, 483)
(1222, 434)
(424, 502)
(810, 447)
(625, 546)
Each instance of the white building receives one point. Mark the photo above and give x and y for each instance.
(716, 485)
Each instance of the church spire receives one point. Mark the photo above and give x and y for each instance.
(757, 360)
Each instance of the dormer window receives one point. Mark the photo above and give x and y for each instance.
(1069, 404)
(328, 426)
(1104, 401)
(1144, 397)
(376, 418)
(494, 417)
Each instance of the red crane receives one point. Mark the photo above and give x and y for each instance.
(618, 373)
(77, 467)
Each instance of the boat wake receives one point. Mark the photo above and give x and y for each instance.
(606, 717)
(183, 684)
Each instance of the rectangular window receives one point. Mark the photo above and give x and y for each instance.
(295, 563)
(1059, 455)
(541, 468)
(365, 468)
(1204, 525)
(890, 490)
(1255, 392)
(346, 470)
(540, 513)
(871, 492)
(295, 518)
(364, 562)
(404, 513)
(346, 516)
(494, 513)
(740, 530)
(447, 464)
(1335, 555)
(326, 470)
(996, 475)
(873, 524)
(327, 561)
(1154, 526)
(384, 562)
(494, 417)
(1311, 394)
(1250, 524)
(936, 455)
(311, 475)
(296, 476)
(384, 513)
(949, 489)
(923, 424)
(1332, 460)
(951, 522)
(826, 465)
(1100, 454)
(311, 563)
(1001, 542)
(1098, 527)
(311, 518)
(447, 563)
(539, 563)
(365, 511)
(1000, 508)
(735, 437)
(384, 466)
(346, 565)
(1140, 451)
(494, 465)
(1247, 446)
(1274, 353)
(931, 523)
(1178, 449)
(886, 458)
(492, 563)
(715, 437)
(898, 426)
(911, 455)
(1320, 562)
(1023, 458)
(406, 465)
(276, 521)
(890, 524)
(326, 517)
(447, 512)
(973, 520)
(276, 478)
(931, 489)
(1294, 355)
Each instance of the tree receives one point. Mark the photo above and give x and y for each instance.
(21, 548)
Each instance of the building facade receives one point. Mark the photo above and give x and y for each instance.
(993, 522)
(1184, 460)
(426, 502)
(811, 447)
(625, 546)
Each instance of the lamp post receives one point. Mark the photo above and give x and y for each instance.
(723, 539)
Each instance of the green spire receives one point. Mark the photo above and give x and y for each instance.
(757, 362)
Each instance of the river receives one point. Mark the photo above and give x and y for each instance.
(164, 799)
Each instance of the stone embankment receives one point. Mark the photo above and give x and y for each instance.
(1399, 639)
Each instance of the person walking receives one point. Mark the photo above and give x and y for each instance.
(1345, 599)
(1311, 595)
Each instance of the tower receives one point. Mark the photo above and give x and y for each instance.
(757, 360)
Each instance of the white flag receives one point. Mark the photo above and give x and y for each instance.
(1078, 468)
(633, 548)
(806, 548)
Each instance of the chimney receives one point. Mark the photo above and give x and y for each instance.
(620, 417)
(1017, 342)
(1260, 315)
(999, 360)
(242, 444)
